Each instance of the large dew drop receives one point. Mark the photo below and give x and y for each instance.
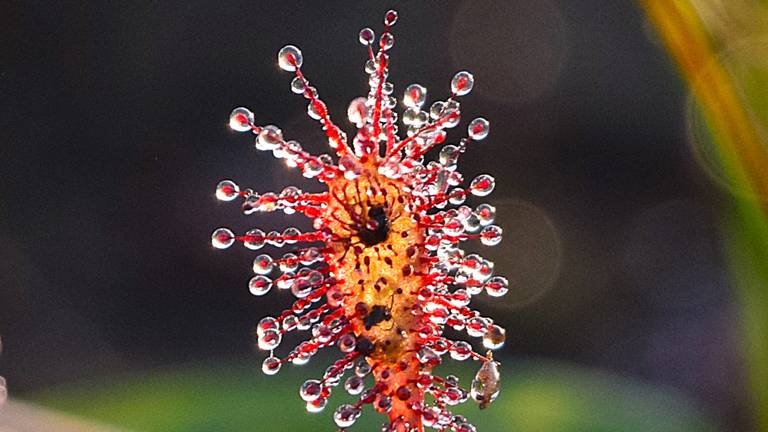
(478, 129)
(311, 390)
(485, 385)
(222, 238)
(271, 365)
(482, 185)
(462, 83)
(366, 36)
(241, 119)
(263, 264)
(227, 190)
(491, 235)
(415, 96)
(317, 405)
(495, 338)
(269, 138)
(289, 58)
(259, 285)
(346, 415)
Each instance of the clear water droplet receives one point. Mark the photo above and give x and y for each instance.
(297, 85)
(259, 285)
(449, 155)
(312, 110)
(436, 110)
(453, 396)
(311, 390)
(429, 417)
(271, 365)
(227, 190)
(312, 168)
(478, 129)
(241, 119)
(301, 288)
(362, 368)
(486, 213)
(491, 235)
(266, 323)
(270, 340)
(482, 185)
(415, 96)
(290, 322)
(494, 338)
(289, 58)
(485, 385)
(462, 83)
(357, 111)
(497, 286)
(477, 326)
(367, 36)
(269, 138)
(346, 415)
(387, 41)
(427, 355)
(291, 235)
(354, 385)
(457, 196)
(347, 343)
(317, 405)
(370, 67)
(453, 227)
(465, 427)
(461, 351)
(390, 18)
(263, 264)
(254, 239)
(310, 93)
(275, 239)
(222, 238)
(289, 263)
(410, 116)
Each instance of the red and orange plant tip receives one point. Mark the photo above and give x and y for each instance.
(383, 274)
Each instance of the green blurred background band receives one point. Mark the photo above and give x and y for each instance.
(538, 396)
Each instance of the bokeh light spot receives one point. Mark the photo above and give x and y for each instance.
(530, 255)
(515, 49)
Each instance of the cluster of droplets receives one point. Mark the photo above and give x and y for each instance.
(433, 198)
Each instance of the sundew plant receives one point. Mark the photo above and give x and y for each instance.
(383, 274)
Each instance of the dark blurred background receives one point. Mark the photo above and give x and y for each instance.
(114, 136)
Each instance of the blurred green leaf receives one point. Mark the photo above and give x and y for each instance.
(537, 397)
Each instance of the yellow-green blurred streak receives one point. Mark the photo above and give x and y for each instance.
(697, 33)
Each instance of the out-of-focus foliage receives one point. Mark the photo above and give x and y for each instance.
(536, 397)
(721, 48)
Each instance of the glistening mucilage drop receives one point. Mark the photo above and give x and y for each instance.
(383, 272)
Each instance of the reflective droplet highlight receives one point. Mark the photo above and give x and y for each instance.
(222, 238)
(478, 129)
(289, 58)
(462, 83)
(241, 119)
